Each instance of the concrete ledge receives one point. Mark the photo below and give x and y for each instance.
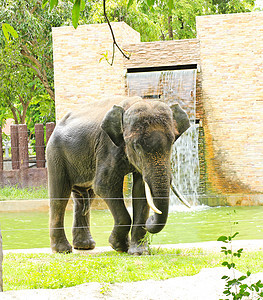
(27, 205)
(232, 200)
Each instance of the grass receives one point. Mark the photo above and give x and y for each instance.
(15, 193)
(35, 271)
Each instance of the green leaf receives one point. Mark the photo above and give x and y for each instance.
(8, 29)
(75, 13)
(44, 3)
(242, 278)
(150, 3)
(259, 284)
(170, 4)
(222, 238)
(130, 2)
(53, 3)
(82, 5)
(233, 236)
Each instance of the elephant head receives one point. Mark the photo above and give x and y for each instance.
(147, 130)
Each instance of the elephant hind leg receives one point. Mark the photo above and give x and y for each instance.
(82, 238)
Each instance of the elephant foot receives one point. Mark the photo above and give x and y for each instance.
(138, 249)
(120, 245)
(61, 247)
(82, 239)
(84, 245)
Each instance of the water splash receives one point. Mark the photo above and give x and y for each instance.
(178, 86)
(185, 166)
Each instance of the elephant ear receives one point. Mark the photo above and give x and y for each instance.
(181, 118)
(112, 124)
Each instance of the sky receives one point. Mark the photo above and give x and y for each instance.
(259, 3)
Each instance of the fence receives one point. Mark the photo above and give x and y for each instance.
(22, 173)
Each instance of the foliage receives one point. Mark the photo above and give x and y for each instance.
(236, 287)
(26, 67)
(15, 193)
(31, 271)
(155, 19)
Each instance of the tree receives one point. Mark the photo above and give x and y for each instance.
(26, 58)
(155, 19)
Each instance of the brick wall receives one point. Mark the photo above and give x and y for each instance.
(166, 53)
(232, 98)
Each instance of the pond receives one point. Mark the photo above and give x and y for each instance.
(30, 229)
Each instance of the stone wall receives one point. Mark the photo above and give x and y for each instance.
(166, 53)
(232, 97)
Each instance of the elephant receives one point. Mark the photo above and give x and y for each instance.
(90, 152)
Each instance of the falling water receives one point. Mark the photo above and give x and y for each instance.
(175, 87)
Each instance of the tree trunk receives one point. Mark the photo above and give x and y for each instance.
(170, 27)
(1, 259)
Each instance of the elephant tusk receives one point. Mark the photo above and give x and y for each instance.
(179, 195)
(150, 199)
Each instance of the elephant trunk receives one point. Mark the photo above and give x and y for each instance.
(158, 200)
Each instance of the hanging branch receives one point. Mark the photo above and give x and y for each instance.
(113, 37)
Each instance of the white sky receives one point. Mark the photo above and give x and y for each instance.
(259, 3)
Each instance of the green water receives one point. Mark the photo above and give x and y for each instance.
(30, 229)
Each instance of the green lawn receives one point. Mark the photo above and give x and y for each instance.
(14, 193)
(32, 271)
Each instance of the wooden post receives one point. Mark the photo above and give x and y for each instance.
(1, 260)
(49, 129)
(14, 146)
(40, 145)
(23, 146)
(1, 151)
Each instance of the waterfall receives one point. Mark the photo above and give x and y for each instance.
(171, 87)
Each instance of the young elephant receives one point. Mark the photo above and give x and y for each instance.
(91, 151)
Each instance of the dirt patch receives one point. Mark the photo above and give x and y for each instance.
(207, 285)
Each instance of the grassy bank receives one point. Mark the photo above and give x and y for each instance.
(15, 193)
(32, 271)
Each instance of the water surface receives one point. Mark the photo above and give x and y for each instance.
(30, 229)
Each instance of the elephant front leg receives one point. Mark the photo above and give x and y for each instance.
(119, 239)
(82, 239)
(138, 245)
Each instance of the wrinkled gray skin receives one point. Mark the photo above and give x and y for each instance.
(90, 152)
(1, 260)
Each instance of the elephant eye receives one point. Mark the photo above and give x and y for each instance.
(136, 146)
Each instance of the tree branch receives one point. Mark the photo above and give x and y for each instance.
(113, 37)
(40, 72)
